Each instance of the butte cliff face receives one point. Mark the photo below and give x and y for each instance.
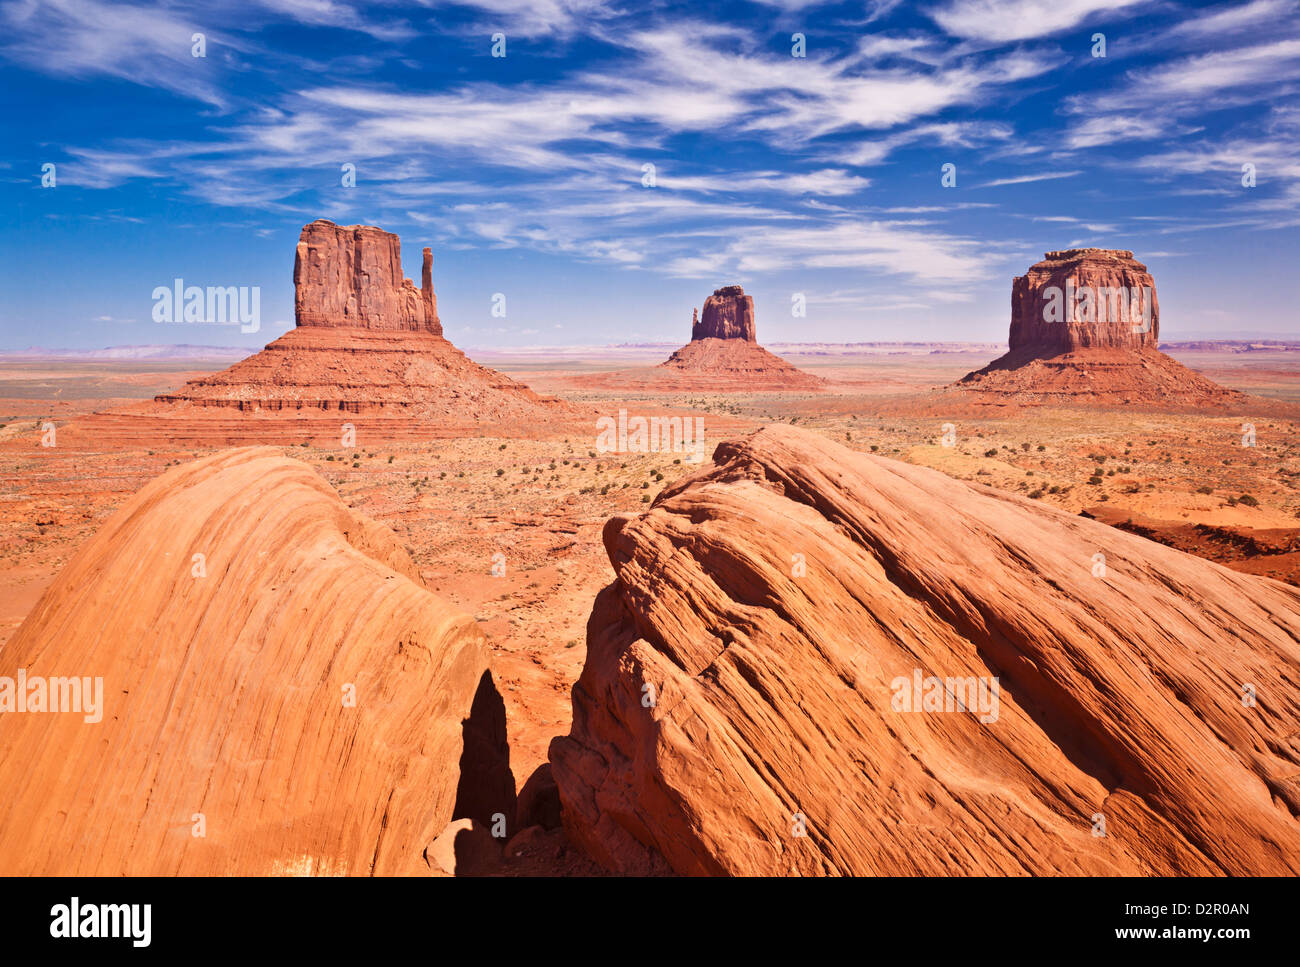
(280, 693)
(813, 660)
(1085, 327)
(728, 314)
(351, 277)
(367, 342)
(724, 353)
(1084, 298)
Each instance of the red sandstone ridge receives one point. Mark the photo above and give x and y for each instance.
(724, 353)
(366, 342)
(747, 704)
(295, 694)
(1085, 324)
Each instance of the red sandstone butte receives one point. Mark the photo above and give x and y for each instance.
(746, 702)
(724, 353)
(1114, 304)
(367, 342)
(1085, 327)
(295, 695)
(350, 276)
(728, 314)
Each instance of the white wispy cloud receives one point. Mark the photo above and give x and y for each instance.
(1225, 20)
(931, 257)
(1025, 179)
(1110, 128)
(340, 15)
(825, 182)
(1240, 75)
(533, 18)
(142, 44)
(872, 149)
(1003, 21)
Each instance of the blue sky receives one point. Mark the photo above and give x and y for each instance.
(818, 175)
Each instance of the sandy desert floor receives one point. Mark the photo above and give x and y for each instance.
(540, 497)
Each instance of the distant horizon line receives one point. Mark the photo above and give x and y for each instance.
(198, 350)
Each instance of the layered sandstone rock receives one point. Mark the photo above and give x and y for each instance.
(281, 694)
(1085, 326)
(728, 314)
(367, 343)
(331, 370)
(724, 354)
(1084, 298)
(350, 276)
(749, 702)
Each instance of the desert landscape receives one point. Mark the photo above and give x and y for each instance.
(775, 439)
(588, 652)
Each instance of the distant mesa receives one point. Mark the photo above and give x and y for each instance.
(367, 341)
(281, 694)
(1085, 326)
(724, 353)
(813, 660)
